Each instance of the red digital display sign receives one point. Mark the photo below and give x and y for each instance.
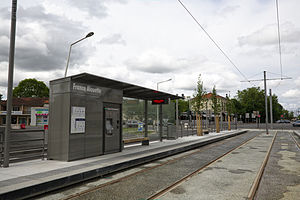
(160, 101)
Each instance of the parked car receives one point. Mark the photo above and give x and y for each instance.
(285, 121)
(296, 123)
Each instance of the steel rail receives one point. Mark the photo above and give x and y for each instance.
(153, 167)
(296, 142)
(169, 188)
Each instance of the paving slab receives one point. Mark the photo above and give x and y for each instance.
(25, 179)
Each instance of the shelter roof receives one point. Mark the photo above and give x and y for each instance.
(129, 90)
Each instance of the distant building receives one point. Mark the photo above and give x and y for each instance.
(26, 110)
(207, 106)
(208, 103)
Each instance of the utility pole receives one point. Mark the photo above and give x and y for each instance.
(266, 95)
(271, 109)
(10, 82)
(266, 102)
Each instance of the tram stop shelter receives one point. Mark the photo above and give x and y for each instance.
(85, 115)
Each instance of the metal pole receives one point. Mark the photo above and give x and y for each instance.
(43, 152)
(157, 113)
(146, 118)
(10, 82)
(271, 109)
(221, 121)
(68, 60)
(177, 117)
(160, 123)
(266, 102)
(236, 120)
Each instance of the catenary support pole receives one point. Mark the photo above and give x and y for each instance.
(271, 110)
(266, 102)
(10, 82)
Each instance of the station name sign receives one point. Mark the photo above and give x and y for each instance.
(87, 88)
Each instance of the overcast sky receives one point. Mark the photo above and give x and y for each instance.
(147, 41)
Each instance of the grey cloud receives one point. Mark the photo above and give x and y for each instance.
(36, 54)
(268, 35)
(159, 63)
(113, 39)
(155, 68)
(3, 83)
(94, 7)
(186, 87)
(227, 10)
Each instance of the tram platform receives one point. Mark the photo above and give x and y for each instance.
(26, 179)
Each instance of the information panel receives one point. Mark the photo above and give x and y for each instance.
(78, 120)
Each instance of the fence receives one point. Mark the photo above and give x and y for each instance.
(24, 145)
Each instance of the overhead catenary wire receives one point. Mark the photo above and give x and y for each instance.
(279, 40)
(259, 73)
(283, 76)
(215, 43)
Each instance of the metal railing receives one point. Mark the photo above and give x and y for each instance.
(24, 145)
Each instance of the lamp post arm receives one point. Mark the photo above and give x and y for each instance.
(68, 60)
(163, 82)
(78, 41)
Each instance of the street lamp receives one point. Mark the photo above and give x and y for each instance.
(88, 35)
(157, 114)
(10, 82)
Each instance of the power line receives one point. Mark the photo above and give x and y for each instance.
(278, 74)
(269, 79)
(213, 41)
(279, 42)
(255, 75)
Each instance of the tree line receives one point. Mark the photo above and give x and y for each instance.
(245, 101)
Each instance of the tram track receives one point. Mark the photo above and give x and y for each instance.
(171, 187)
(142, 172)
(282, 163)
(296, 142)
(147, 169)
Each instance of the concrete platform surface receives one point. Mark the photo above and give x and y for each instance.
(25, 179)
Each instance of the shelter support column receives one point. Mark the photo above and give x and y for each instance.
(177, 116)
(160, 123)
(146, 117)
(146, 142)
